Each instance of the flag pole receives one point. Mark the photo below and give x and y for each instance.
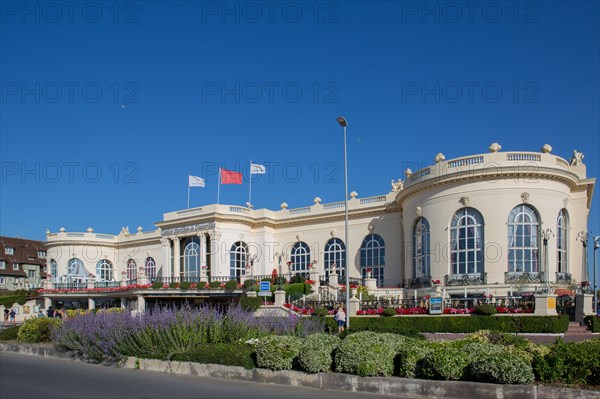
(188, 192)
(219, 186)
(250, 189)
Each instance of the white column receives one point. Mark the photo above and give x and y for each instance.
(91, 303)
(176, 260)
(166, 253)
(203, 255)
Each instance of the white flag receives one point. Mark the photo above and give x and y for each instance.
(195, 181)
(256, 169)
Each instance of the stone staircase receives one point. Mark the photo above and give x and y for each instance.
(577, 329)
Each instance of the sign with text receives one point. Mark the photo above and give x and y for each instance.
(435, 305)
(551, 303)
(264, 293)
(265, 286)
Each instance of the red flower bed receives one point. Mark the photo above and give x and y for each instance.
(102, 289)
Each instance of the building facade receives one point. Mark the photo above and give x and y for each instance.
(497, 223)
(22, 263)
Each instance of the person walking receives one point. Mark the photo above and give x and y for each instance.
(50, 311)
(12, 315)
(340, 317)
(6, 312)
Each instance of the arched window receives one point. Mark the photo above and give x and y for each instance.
(372, 256)
(191, 258)
(421, 256)
(466, 242)
(131, 270)
(73, 265)
(238, 257)
(300, 258)
(523, 239)
(104, 270)
(562, 229)
(53, 269)
(335, 254)
(150, 267)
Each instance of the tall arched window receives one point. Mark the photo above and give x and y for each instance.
(523, 239)
(53, 269)
(466, 242)
(191, 257)
(150, 267)
(335, 253)
(300, 258)
(372, 256)
(73, 265)
(104, 270)
(421, 256)
(562, 229)
(238, 257)
(131, 270)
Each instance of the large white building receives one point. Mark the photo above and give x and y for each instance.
(493, 221)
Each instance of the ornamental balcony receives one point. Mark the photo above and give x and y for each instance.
(523, 277)
(454, 280)
(563, 278)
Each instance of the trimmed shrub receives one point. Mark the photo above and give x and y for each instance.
(297, 279)
(593, 323)
(220, 353)
(410, 356)
(9, 333)
(570, 363)
(185, 285)
(9, 300)
(37, 329)
(449, 364)
(458, 324)
(501, 368)
(201, 285)
(316, 353)
(250, 303)
(485, 310)
(173, 285)
(277, 352)
(368, 354)
(215, 284)
(321, 312)
(389, 312)
(157, 285)
(249, 284)
(231, 285)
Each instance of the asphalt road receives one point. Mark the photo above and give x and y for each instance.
(32, 377)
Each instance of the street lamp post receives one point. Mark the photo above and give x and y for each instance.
(583, 236)
(596, 246)
(343, 123)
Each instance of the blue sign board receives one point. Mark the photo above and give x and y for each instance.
(435, 305)
(265, 286)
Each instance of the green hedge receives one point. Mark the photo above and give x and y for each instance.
(278, 352)
(316, 355)
(231, 285)
(250, 303)
(570, 363)
(9, 300)
(221, 353)
(9, 333)
(456, 324)
(37, 329)
(593, 323)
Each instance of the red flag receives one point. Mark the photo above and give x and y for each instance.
(230, 177)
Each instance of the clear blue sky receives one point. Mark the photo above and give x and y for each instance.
(108, 106)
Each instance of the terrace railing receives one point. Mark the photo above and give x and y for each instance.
(523, 277)
(453, 280)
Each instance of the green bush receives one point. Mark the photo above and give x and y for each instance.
(231, 285)
(250, 303)
(316, 353)
(449, 364)
(37, 329)
(321, 312)
(9, 333)
(157, 284)
(173, 285)
(249, 284)
(298, 279)
(278, 352)
(593, 323)
(185, 285)
(368, 354)
(570, 363)
(297, 289)
(410, 356)
(215, 284)
(485, 310)
(9, 300)
(389, 312)
(220, 353)
(501, 368)
(457, 324)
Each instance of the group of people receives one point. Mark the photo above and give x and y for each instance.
(9, 317)
(58, 313)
